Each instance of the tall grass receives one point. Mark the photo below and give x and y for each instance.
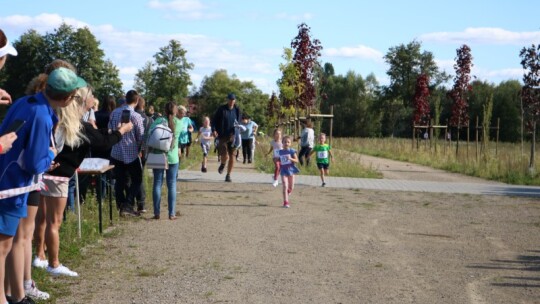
(504, 163)
(345, 164)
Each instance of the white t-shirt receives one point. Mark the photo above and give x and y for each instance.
(307, 138)
(205, 132)
(276, 146)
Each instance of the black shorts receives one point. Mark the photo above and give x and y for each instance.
(33, 199)
(323, 166)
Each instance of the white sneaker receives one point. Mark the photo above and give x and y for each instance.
(61, 270)
(39, 263)
(275, 183)
(35, 293)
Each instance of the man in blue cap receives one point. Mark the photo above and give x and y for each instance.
(223, 123)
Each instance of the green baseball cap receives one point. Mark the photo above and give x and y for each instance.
(64, 80)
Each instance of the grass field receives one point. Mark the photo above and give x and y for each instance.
(503, 162)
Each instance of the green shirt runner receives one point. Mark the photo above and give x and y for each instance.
(321, 152)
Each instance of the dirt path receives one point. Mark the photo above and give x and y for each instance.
(392, 169)
(235, 244)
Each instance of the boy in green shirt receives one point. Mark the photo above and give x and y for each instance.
(324, 152)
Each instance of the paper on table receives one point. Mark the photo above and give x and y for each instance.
(90, 164)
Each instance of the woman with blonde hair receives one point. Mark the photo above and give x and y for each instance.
(74, 139)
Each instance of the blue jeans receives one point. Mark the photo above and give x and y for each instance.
(171, 188)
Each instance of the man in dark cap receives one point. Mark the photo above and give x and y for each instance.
(223, 123)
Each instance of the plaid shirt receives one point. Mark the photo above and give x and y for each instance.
(127, 150)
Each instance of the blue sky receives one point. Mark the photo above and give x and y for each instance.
(247, 37)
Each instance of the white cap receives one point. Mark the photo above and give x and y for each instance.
(8, 49)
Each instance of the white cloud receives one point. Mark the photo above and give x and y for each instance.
(130, 50)
(502, 74)
(46, 22)
(483, 35)
(289, 17)
(183, 9)
(360, 51)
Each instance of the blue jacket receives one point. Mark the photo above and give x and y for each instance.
(30, 153)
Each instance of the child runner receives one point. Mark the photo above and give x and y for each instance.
(275, 146)
(205, 134)
(287, 158)
(323, 150)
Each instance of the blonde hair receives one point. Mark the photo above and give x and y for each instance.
(69, 128)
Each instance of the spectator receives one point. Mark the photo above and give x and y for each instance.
(186, 126)
(75, 137)
(307, 140)
(126, 156)
(248, 138)
(147, 122)
(22, 165)
(223, 123)
(173, 161)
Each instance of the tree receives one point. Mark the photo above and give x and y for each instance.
(353, 106)
(26, 65)
(273, 110)
(144, 80)
(306, 55)
(421, 101)
(111, 85)
(530, 92)
(77, 46)
(461, 89)
(406, 64)
(289, 84)
(171, 71)
(506, 107)
(214, 89)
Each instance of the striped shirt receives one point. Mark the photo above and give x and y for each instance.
(127, 150)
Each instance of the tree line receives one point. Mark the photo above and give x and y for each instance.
(361, 106)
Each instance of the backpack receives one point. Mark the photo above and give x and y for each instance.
(160, 138)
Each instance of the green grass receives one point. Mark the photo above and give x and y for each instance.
(72, 247)
(504, 162)
(345, 165)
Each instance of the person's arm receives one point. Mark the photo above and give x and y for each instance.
(37, 155)
(293, 157)
(5, 98)
(199, 135)
(101, 140)
(6, 141)
(271, 150)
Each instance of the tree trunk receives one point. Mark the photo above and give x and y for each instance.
(533, 144)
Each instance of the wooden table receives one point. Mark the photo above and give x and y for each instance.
(99, 187)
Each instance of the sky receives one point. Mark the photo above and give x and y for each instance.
(247, 38)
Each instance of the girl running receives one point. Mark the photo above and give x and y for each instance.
(287, 159)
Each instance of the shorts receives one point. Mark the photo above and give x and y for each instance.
(205, 148)
(33, 198)
(55, 188)
(8, 224)
(225, 145)
(323, 166)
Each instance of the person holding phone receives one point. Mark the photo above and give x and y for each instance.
(28, 158)
(126, 155)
